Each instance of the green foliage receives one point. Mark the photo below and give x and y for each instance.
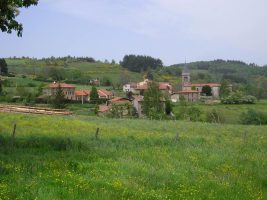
(1, 87)
(140, 63)
(168, 107)
(3, 66)
(214, 116)
(9, 10)
(190, 113)
(224, 89)
(253, 117)
(239, 98)
(94, 97)
(152, 104)
(206, 90)
(58, 100)
(149, 75)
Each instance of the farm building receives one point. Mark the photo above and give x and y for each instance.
(84, 95)
(68, 90)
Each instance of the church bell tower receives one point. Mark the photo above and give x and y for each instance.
(185, 76)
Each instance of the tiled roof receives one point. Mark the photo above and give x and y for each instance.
(104, 92)
(82, 93)
(103, 108)
(62, 85)
(165, 86)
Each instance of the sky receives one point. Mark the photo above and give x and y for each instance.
(172, 30)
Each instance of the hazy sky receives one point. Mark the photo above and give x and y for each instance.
(168, 29)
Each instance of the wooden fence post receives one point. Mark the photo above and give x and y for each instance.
(13, 134)
(97, 134)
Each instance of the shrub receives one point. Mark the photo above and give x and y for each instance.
(214, 117)
(238, 98)
(253, 117)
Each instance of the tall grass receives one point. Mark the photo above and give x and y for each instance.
(59, 158)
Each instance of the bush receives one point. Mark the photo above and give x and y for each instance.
(238, 98)
(191, 113)
(253, 117)
(214, 117)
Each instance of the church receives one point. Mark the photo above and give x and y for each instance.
(192, 92)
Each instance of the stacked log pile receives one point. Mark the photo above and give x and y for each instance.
(33, 110)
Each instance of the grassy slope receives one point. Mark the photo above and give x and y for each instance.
(94, 70)
(230, 113)
(134, 159)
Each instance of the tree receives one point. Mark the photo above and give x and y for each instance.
(9, 10)
(140, 63)
(1, 87)
(152, 102)
(3, 66)
(59, 101)
(149, 75)
(168, 107)
(94, 98)
(206, 90)
(224, 89)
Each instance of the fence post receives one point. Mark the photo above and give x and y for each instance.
(97, 134)
(13, 135)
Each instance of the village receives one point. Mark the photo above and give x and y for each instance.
(134, 94)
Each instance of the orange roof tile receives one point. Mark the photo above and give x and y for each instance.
(82, 93)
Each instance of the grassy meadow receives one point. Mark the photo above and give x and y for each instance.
(230, 113)
(56, 157)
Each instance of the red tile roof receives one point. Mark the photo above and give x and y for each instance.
(165, 86)
(119, 99)
(62, 85)
(104, 92)
(103, 108)
(82, 93)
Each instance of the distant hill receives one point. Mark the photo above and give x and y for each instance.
(71, 70)
(249, 78)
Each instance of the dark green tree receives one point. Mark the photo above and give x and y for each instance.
(1, 87)
(149, 75)
(153, 107)
(206, 90)
(59, 101)
(137, 63)
(168, 107)
(9, 10)
(94, 97)
(224, 89)
(3, 67)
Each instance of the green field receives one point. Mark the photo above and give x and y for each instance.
(230, 113)
(59, 158)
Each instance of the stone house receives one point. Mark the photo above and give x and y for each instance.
(68, 90)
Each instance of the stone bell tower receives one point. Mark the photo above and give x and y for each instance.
(185, 76)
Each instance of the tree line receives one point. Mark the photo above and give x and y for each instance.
(138, 63)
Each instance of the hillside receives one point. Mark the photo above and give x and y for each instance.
(59, 158)
(73, 71)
